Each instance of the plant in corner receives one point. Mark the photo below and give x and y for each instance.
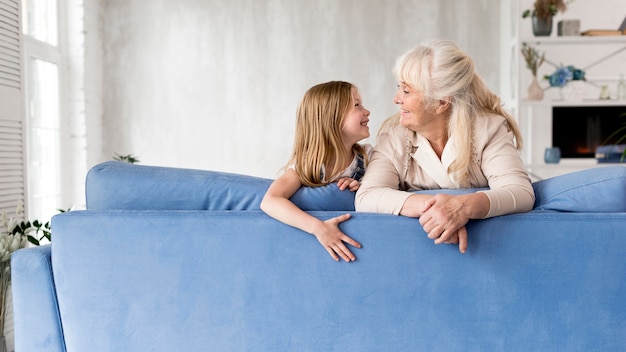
(13, 236)
(126, 158)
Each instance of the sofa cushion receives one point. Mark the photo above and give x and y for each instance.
(594, 190)
(120, 185)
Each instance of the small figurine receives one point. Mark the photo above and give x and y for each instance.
(604, 93)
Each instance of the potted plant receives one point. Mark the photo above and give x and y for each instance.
(542, 13)
(126, 158)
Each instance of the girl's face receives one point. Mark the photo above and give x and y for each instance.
(355, 124)
(413, 112)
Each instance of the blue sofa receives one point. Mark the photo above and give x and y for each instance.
(170, 259)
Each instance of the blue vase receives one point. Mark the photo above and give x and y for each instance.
(552, 155)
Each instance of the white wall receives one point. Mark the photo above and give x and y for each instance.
(213, 84)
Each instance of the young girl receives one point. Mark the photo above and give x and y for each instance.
(330, 121)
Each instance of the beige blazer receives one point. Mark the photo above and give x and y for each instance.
(404, 161)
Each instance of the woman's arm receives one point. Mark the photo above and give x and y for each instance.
(276, 204)
(380, 187)
(510, 187)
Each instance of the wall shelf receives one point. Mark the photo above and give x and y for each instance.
(603, 58)
(565, 103)
(575, 40)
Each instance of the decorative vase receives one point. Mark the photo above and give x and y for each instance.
(542, 27)
(552, 155)
(574, 90)
(535, 92)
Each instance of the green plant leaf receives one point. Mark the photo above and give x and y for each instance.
(33, 240)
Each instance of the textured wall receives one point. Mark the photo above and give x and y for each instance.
(214, 84)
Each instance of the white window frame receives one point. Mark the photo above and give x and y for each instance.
(35, 49)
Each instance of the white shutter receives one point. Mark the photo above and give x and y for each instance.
(12, 156)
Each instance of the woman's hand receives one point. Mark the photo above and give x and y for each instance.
(332, 239)
(443, 219)
(348, 182)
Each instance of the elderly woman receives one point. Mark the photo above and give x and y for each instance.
(451, 133)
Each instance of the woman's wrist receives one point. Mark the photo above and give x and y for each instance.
(477, 205)
(414, 205)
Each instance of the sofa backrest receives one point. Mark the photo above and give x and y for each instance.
(240, 281)
(120, 185)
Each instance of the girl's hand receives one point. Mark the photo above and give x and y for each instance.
(276, 204)
(332, 239)
(350, 183)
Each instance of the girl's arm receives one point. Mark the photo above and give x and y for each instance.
(276, 204)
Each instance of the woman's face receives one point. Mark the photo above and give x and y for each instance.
(413, 112)
(355, 124)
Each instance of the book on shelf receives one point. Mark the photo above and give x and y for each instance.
(602, 32)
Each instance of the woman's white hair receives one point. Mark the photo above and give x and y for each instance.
(441, 71)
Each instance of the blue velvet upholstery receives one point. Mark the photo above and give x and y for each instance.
(598, 190)
(36, 320)
(240, 281)
(163, 279)
(120, 185)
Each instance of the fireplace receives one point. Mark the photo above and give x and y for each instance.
(577, 131)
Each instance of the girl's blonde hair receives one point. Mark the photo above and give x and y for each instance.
(318, 144)
(440, 70)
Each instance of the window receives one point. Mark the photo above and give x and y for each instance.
(40, 20)
(43, 138)
(43, 133)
